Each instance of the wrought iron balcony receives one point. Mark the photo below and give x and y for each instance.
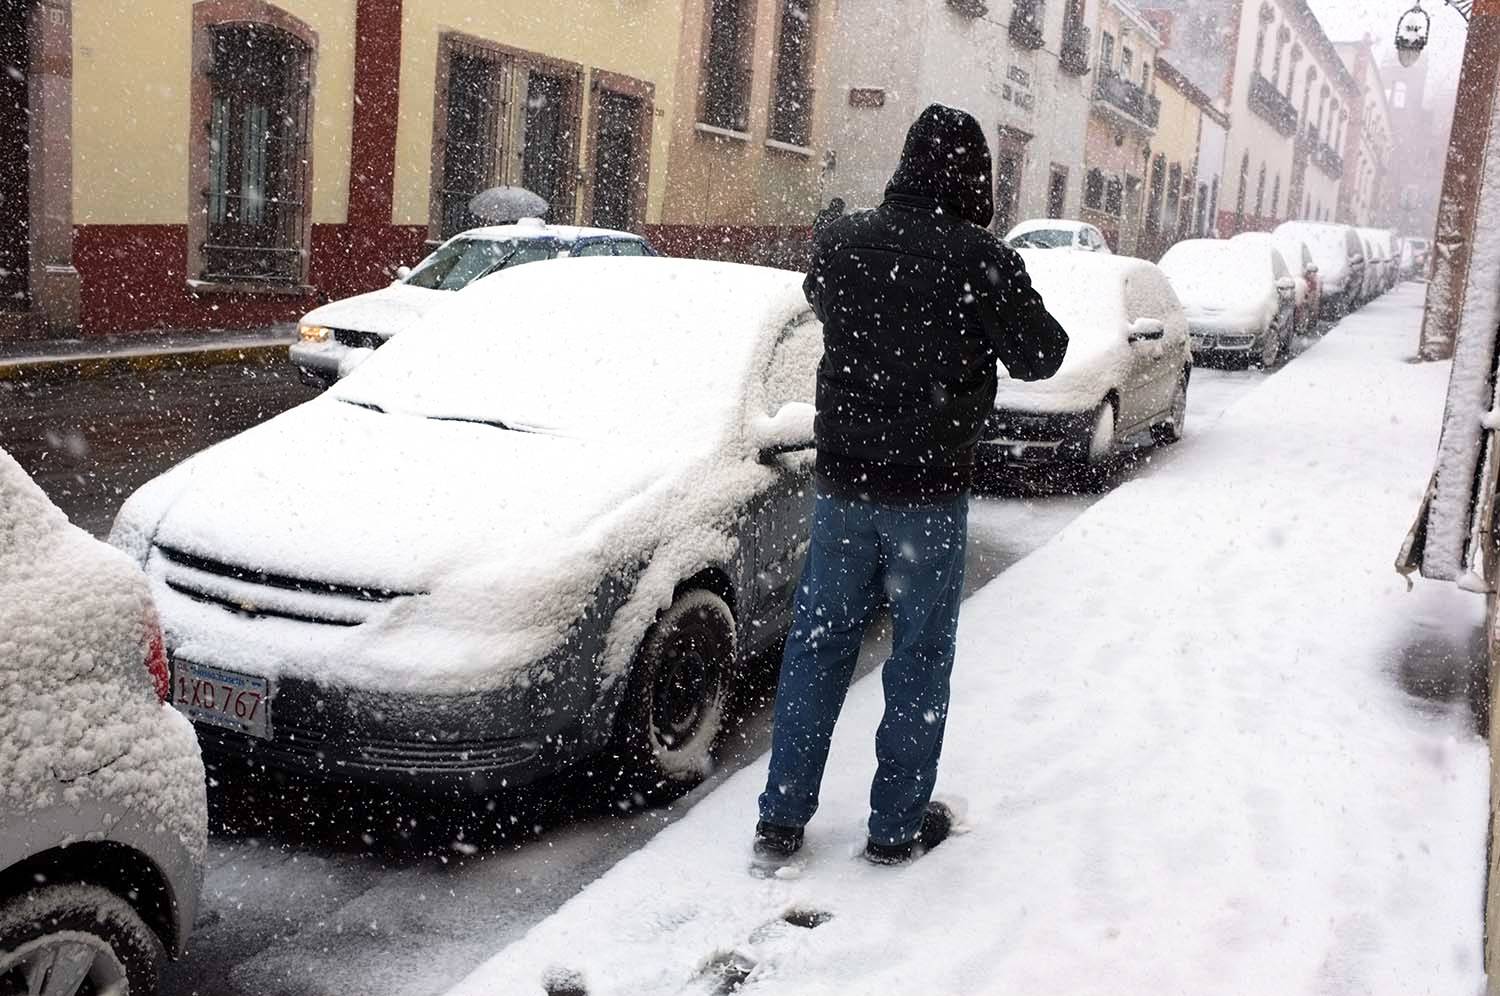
(1074, 56)
(1119, 94)
(1026, 24)
(1273, 105)
(1329, 161)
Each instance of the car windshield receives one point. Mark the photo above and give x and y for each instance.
(1043, 238)
(457, 263)
(640, 356)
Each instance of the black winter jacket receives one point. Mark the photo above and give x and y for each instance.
(918, 301)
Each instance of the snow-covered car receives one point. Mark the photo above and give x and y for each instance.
(1414, 259)
(334, 338)
(1057, 233)
(1374, 266)
(1340, 255)
(480, 558)
(103, 816)
(1239, 296)
(1299, 262)
(1123, 382)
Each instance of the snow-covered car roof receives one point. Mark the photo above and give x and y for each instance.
(1047, 225)
(652, 339)
(531, 228)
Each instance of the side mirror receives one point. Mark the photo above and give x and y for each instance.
(790, 430)
(1146, 330)
(402, 272)
(1311, 271)
(1286, 284)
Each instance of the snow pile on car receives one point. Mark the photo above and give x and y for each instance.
(1092, 296)
(1231, 281)
(79, 718)
(1185, 731)
(630, 455)
(1329, 247)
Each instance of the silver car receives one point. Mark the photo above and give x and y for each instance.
(103, 817)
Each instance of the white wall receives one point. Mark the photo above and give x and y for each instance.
(921, 51)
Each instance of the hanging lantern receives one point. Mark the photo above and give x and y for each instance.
(1411, 34)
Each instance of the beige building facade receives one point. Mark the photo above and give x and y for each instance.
(1123, 119)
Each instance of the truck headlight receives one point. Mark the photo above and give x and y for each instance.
(314, 333)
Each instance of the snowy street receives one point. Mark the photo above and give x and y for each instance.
(334, 899)
(1246, 765)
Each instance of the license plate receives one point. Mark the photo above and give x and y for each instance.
(213, 695)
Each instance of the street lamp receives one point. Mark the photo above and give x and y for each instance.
(1411, 34)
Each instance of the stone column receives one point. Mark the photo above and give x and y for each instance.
(54, 284)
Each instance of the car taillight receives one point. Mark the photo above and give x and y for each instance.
(156, 661)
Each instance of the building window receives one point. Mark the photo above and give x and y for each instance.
(621, 109)
(1174, 197)
(1146, 75)
(724, 87)
(1127, 62)
(511, 119)
(1276, 196)
(1260, 193)
(1107, 52)
(1312, 76)
(1201, 220)
(1158, 190)
(1213, 209)
(256, 206)
(1260, 46)
(1057, 192)
(791, 101)
(1093, 190)
(1244, 189)
(1114, 195)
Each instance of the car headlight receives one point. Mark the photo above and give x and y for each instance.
(314, 333)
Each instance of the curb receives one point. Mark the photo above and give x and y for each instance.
(92, 365)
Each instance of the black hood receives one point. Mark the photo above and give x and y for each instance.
(947, 160)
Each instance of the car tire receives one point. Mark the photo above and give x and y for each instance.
(1171, 431)
(1270, 347)
(674, 707)
(85, 927)
(1097, 447)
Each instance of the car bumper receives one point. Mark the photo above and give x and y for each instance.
(1017, 440)
(419, 743)
(318, 362)
(1209, 339)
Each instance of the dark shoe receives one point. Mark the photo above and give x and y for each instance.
(937, 823)
(775, 841)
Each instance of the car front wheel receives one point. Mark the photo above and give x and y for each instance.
(674, 709)
(70, 940)
(1270, 345)
(1171, 431)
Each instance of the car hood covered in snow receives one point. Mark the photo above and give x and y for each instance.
(336, 493)
(1092, 295)
(385, 312)
(1227, 284)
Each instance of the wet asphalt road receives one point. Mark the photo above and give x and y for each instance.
(310, 891)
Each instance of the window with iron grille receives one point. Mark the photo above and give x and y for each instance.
(1093, 190)
(510, 120)
(257, 156)
(791, 100)
(724, 88)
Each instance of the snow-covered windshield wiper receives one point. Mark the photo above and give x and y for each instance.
(496, 423)
(372, 406)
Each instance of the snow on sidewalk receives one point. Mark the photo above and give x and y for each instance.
(1190, 763)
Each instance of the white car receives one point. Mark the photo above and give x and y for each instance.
(1123, 382)
(1340, 255)
(336, 337)
(480, 558)
(103, 816)
(1304, 272)
(1056, 233)
(1239, 297)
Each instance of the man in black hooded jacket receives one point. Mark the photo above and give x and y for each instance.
(918, 302)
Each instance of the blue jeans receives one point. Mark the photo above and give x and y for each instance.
(863, 554)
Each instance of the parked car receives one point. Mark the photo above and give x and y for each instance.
(336, 337)
(1390, 249)
(1375, 265)
(1056, 233)
(1239, 296)
(1340, 255)
(1299, 261)
(1414, 253)
(1123, 383)
(481, 558)
(103, 817)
